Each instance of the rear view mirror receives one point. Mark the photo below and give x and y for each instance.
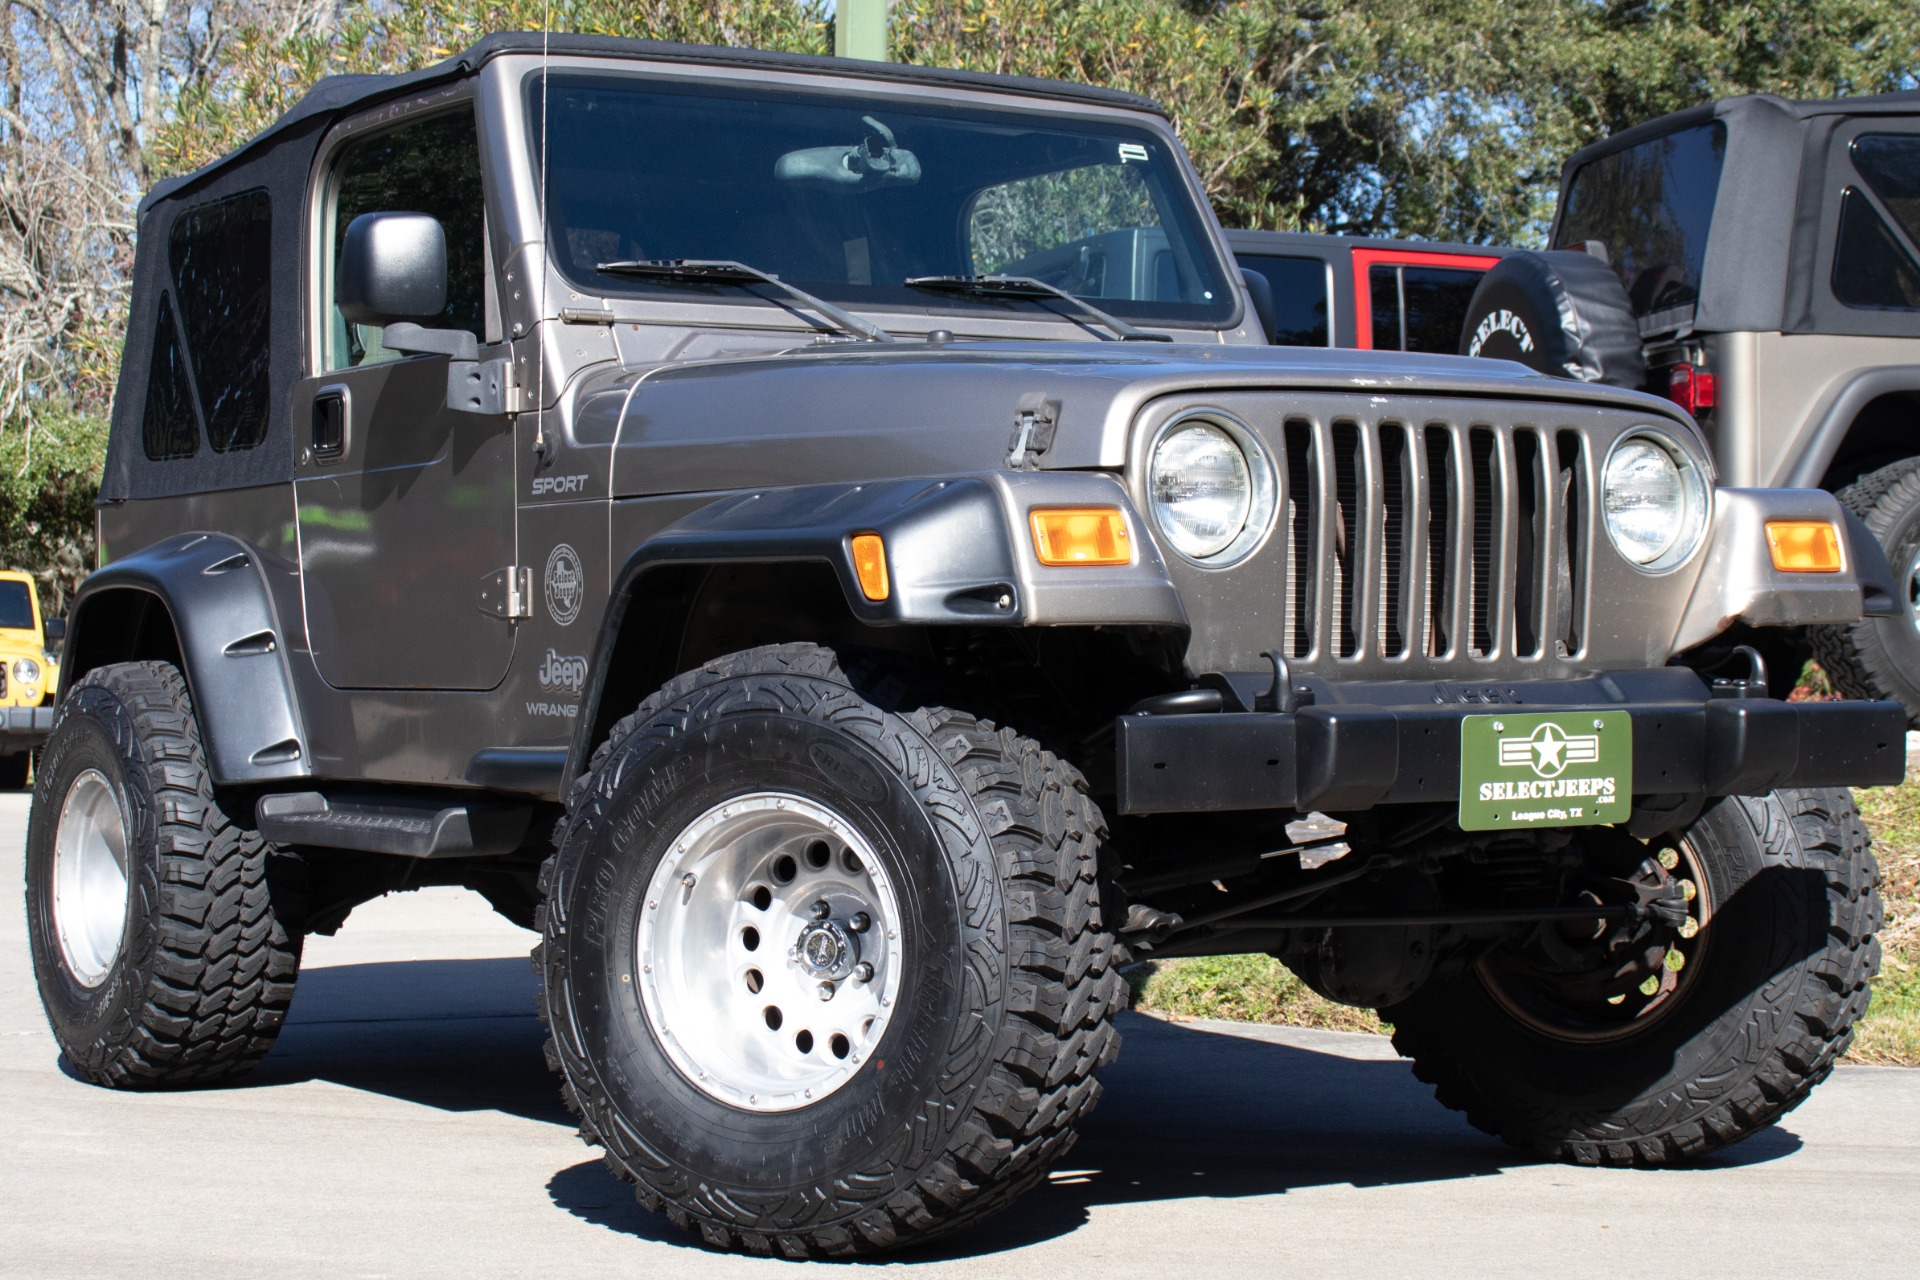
(392, 269)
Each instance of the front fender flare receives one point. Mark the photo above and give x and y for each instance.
(959, 553)
(232, 647)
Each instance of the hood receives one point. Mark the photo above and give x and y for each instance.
(865, 411)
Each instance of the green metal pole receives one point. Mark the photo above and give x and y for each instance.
(860, 29)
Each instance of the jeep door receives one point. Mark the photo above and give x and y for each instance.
(405, 507)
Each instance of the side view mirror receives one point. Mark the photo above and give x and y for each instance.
(55, 629)
(1261, 291)
(392, 269)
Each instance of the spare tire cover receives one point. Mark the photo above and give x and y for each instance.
(1564, 313)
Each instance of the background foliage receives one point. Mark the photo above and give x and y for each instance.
(1427, 118)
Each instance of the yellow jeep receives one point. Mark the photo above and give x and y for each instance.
(29, 675)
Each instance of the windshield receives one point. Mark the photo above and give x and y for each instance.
(1651, 206)
(848, 197)
(16, 605)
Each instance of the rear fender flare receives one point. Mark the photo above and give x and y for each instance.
(231, 645)
(1822, 445)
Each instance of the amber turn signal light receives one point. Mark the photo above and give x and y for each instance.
(870, 565)
(1804, 546)
(1082, 535)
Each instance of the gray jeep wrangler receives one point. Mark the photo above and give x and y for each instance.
(1758, 261)
(825, 545)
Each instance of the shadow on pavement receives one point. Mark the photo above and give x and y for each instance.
(1188, 1111)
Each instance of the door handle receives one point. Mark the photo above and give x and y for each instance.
(330, 418)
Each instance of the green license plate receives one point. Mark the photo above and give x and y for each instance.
(1560, 769)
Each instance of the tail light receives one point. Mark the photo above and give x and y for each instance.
(1691, 388)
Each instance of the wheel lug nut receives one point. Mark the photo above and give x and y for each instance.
(826, 991)
(863, 972)
(860, 922)
(821, 910)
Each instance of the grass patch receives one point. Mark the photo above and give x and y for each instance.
(1890, 1033)
(1251, 988)
(1258, 988)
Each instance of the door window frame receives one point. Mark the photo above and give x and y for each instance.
(323, 191)
(1365, 260)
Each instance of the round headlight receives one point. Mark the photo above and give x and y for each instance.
(26, 671)
(1201, 485)
(1655, 499)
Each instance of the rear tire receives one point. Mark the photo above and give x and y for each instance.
(164, 936)
(1880, 657)
(1768, 1006)
(943, 1100)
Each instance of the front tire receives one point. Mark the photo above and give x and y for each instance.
(163, 934)
(1774, 977)
(759, 848)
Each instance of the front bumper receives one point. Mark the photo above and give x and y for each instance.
(1362, 744)
(24, 728)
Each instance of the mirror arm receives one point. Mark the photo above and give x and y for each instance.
(413, 339)
(473, 385)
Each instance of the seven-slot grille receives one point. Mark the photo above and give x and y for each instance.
(1431, 539)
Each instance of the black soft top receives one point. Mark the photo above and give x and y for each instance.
(1771, 245)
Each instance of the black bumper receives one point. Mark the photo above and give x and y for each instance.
(24, 728)
(1365, 744)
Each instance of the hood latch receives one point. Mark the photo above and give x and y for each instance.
(1033, 425)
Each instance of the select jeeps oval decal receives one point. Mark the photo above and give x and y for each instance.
(566, 584)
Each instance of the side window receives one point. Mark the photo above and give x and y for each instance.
(1436, 306)
(1871, 267)
(432, 167)
(1299, 298)
(222, 259)
(168, 429)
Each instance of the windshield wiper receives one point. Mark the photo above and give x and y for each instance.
(723, 271)
(1028, 287)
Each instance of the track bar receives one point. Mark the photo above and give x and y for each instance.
(1497, 915)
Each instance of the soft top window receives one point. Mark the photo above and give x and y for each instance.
(16, 605)
(168, 428)
(1651, 205)
(848, 195)
(221, 255)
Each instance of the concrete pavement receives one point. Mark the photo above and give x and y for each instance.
(405, 1126)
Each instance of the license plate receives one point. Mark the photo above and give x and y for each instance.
(1558, 769)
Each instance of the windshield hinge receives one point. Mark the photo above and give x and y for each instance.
(1033, 424)
(508, 593)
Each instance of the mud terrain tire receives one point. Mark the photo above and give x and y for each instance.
(1880, 657)
(1007, 985)
(195, 988)
(1766, 1018)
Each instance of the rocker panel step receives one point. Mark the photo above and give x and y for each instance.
(411, 827)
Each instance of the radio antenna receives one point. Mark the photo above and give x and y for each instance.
(540, 442)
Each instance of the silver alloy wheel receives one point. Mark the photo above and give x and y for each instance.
(90, 877)
(1913, 589)
(769, 952)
